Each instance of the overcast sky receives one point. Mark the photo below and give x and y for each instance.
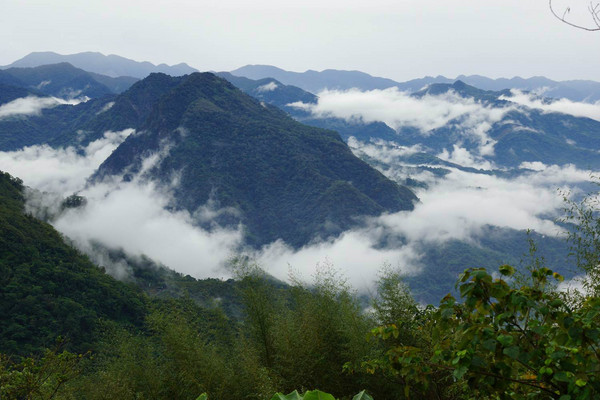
(399, 39)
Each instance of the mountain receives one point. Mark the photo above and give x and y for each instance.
(111, 65)
(281, 179)
(273, 92)
(576, 90)
(315, 81)
(48, 288)
(65, 81)
(55, 124)
(522, 134)
(78, 125)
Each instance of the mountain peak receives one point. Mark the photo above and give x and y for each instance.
(284, 180)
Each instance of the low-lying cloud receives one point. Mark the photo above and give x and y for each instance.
(63, 170)
(398, 109)
(469, 118)
(565, 106)
(268, 87)
(32, 105)
(459, 206)
(134, 216)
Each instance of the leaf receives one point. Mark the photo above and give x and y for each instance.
(512, 351)
(362, 396)
(505, 340)
(203, 396)
(317, 395)
(460, 371)
(291, 396)
(506, 270)
(580, 382)
(558, 277)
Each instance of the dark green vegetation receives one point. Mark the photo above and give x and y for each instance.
(288, 180)
(48, 288)
(513, 337)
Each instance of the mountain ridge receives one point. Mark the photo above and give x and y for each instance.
(111, 65)
(288, 186)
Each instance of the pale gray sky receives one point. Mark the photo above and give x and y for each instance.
(398, 39)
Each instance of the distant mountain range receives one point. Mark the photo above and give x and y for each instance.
(315, 81)
(522, 135)
(111, 65)
(63, 80)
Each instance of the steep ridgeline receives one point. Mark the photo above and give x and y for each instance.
(271, 91)
(66, 125)
(48, 289)
(283, 179)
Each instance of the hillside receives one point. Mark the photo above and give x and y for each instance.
(288, 180)
(48, 288)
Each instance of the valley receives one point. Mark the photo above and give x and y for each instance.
(175, 221)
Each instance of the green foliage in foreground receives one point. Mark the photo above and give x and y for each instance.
(505, 342)
(513, 335)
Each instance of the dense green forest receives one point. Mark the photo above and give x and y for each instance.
(69, 331)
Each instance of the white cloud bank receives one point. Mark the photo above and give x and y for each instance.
(268, 87)
(565, 106)
(470, 119)
(63, 171)
(32, 105)
(399, 109)
(132, 215)
(459, 206)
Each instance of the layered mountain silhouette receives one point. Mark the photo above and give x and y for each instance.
(281, 179)
(522, 135)
(316, 81)
(111, 65)
(65, 81)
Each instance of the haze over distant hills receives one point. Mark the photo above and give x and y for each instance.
(110, 65)
(65, 81)
(314, 81)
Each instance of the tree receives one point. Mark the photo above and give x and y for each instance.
(507, 342)
(587, 20)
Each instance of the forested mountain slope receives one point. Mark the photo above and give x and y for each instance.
(48, 289)
(288, 180)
